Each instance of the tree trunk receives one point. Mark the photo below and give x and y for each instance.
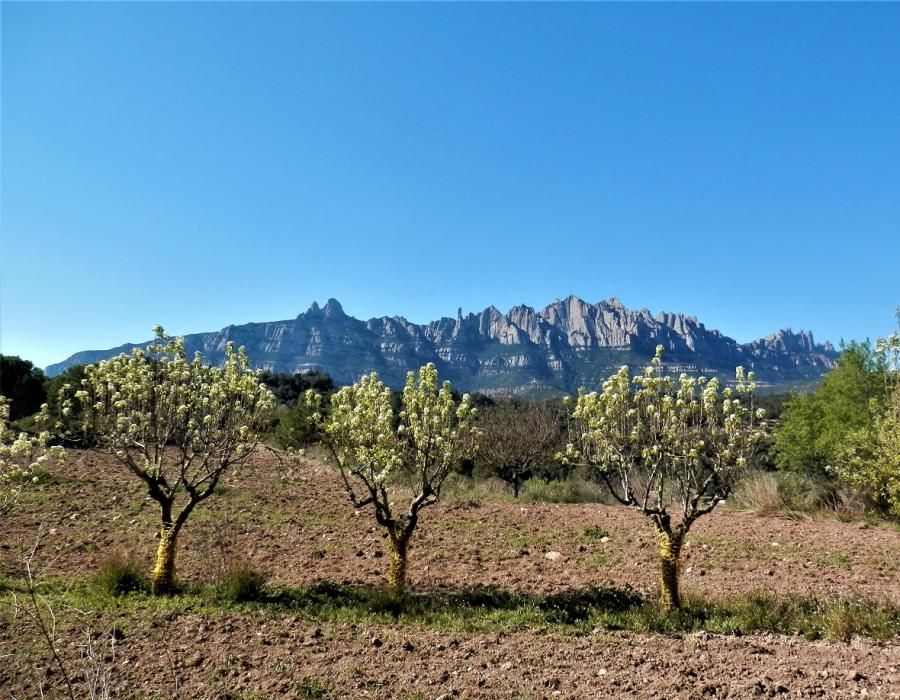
(516, 487)
(162, 579)
(670, 568)
(397, 568)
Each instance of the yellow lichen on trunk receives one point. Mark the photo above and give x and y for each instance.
(397, 568)
(163, 576)
(670, 566)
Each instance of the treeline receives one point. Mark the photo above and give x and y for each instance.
(828, 448)
(521, 438)
(845, 435)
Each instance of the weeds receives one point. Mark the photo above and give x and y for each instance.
(492, 609)
(121, 574)
(240, 583)
(575, 489)
(797, 495)
(595, 532)
(311, 687)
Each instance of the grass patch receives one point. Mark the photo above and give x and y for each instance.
(491, 609)
(311, 687)
(838, 559)
(572, 490)
(121, 574)
(595, 532)
(239, 583)
(796, 495)
(813, 618)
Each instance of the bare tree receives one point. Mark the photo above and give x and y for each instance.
(518, 438)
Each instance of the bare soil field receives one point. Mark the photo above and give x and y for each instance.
(292, 522)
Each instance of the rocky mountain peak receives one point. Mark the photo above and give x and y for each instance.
(333, 309)
(568, 344)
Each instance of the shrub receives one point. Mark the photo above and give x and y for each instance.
(786, 493)
(815, 427)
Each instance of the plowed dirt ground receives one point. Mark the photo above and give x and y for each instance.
(291, 521)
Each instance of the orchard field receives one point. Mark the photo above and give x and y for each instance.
(506, 598)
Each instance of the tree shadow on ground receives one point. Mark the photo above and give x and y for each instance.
(565, 607)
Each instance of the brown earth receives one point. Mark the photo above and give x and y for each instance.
(292, 522)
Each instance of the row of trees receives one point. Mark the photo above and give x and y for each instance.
(672, 448)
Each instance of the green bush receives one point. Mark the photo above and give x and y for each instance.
(815, 426)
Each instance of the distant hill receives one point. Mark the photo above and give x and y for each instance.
(566, 345)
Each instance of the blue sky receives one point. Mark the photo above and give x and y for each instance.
(198, 165)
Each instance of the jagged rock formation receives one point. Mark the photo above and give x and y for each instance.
(568, 344)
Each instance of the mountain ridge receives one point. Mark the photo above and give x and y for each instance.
(568, 344)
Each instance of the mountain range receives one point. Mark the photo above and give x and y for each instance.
(568, 344)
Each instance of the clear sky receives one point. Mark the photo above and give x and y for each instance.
(198, 165)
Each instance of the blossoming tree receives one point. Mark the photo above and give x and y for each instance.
(377, 450)
(670, 448)
(176, 424)
(21, 454)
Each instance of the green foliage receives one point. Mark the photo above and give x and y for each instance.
(773, 404)
(815, 426)
(288, 388)
(850, 427)
(23, 384)
(298, 428)
(870, 456)
(573, 489)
